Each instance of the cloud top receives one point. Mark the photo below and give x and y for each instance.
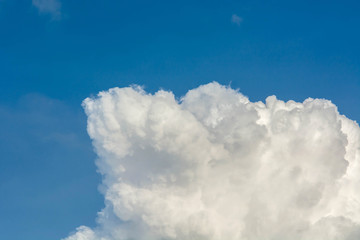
(217, 166)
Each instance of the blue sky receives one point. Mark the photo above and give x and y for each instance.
(55, 53)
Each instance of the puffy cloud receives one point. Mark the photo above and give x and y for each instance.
(236, 19)
(83, 233)
(52, 7)
(216, 166)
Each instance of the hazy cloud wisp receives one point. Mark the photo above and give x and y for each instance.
(52, 7)
(236, 19)
(216, 166)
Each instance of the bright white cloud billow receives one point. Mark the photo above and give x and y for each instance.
(215, 166)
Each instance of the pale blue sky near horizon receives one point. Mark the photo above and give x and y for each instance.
(55, 53)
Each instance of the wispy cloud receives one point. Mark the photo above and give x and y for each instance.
(52, 7)
(236, 19)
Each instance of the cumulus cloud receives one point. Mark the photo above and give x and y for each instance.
(236, 19)
(52, 7)
(217, 166)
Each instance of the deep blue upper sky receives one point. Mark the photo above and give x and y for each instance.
(52, 57)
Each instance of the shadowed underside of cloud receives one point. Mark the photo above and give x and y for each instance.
(216, 166)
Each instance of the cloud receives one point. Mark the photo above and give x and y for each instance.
(217, 166)
(52, 7)
(236, 19)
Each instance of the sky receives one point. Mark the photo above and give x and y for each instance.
(56, 53)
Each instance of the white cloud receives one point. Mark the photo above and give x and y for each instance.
(216, 166)
(236, 19)
(52, 7)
